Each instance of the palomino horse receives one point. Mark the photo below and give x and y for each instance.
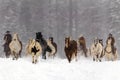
(34, 48)
(70, 49)
(53, 46)
(97, 50)
(15, 46)
(109, 54)
(82, 45)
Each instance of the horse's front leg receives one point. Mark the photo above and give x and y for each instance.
(33, 55)
(13, 55)
(36, 57)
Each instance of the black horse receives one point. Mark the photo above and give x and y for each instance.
(7, 39)
(43, 43)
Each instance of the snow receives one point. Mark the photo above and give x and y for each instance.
(58, 69)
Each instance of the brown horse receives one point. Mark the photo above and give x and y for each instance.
(82, 45)
(70, 49)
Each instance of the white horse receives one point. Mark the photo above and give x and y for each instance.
(15, 46)
(108, 51)
(97, 50)
(34, 48)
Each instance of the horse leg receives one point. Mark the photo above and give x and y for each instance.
(94, 57)
(13, 55)
(7, 54)
(36, 57)
(33, 56)
(85, 53)
(17, 55)
(70, 58)
(67, 55)
(76, 55)
(44, 54)
(114, 56)
(108, 56)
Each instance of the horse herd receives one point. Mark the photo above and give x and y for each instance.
(40, 46)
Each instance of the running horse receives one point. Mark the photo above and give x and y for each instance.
(97, 50)
(33, 48)
(15, 46)
(82, 45)
(70, 49)
(43, 43)
(110, 50)
(8, 39)
(53, 47)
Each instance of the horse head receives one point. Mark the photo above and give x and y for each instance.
(96, 40)
(109, 41)
(15, 37)
(67, 41)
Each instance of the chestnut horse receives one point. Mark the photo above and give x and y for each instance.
(82, 45)
(70, 49)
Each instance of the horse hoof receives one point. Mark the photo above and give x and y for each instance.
(35, 61)
(93, 59)
(32, 61)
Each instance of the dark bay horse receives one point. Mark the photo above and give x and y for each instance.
(70, 49)
(7, 39)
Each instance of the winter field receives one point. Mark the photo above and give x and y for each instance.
(58, 69)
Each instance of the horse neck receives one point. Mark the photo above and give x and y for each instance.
(108, 44)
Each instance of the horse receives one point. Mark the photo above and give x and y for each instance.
(82, 45)
(15, 46)
(53, 46)
(110, 54)
(28, 47)
(8, 39)
(70, 49)
(97, 50)
(43, 43)
(33, 48)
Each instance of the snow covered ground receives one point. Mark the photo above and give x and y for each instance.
(58, 69)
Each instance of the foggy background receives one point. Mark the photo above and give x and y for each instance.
(60, 18)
